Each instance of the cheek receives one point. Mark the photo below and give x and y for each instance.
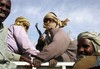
(8, 12)
(46, 23)
(90, 50)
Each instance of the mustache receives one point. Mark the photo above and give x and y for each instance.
(82, 53)
(2, 12)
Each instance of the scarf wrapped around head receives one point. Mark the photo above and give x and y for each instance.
(20, 20)
(93, 37)
(53, 16)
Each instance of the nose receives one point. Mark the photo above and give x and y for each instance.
(81, 49)
(5, 9)
(47, 21)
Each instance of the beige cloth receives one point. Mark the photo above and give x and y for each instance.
(50, 25)
(59, 22)
(59, 47)
(85, 63)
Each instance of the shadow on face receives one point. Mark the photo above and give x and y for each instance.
(5, 6)
(85, 47)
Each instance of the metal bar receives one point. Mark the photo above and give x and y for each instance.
(63, 64)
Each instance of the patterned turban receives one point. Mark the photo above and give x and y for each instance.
(21, 20)
(93, 37)
(53, 16)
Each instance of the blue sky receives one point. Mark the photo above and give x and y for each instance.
(84, 15)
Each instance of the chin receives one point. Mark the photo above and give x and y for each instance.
(2, 19)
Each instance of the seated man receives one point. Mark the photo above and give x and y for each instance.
(88, 51)
(18, 40)
(57, 44)
(5, 56)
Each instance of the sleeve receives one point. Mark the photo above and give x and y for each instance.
(56, 48)
(13, 56)
(23, 40)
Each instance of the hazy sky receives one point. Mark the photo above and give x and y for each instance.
(84, 15)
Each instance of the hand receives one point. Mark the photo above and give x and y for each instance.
(22, 58)
(27, 55)
(37, 62)
(41, 39)
(41, 43)
(52, 62)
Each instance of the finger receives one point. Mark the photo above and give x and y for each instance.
(37, 64)
(29, 61)
(52, 62)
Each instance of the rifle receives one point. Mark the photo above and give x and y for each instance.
(40, 34)
(40, 43)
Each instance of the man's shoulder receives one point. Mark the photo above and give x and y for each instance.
(15, 27)
(87, 62)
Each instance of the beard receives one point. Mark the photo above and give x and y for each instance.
(84, 54)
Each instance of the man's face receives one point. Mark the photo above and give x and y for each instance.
(5, 6)
(49, 23)
(85, 47)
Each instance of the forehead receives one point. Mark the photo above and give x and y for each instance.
(7, 2)
(48, 19)
(84, 41)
